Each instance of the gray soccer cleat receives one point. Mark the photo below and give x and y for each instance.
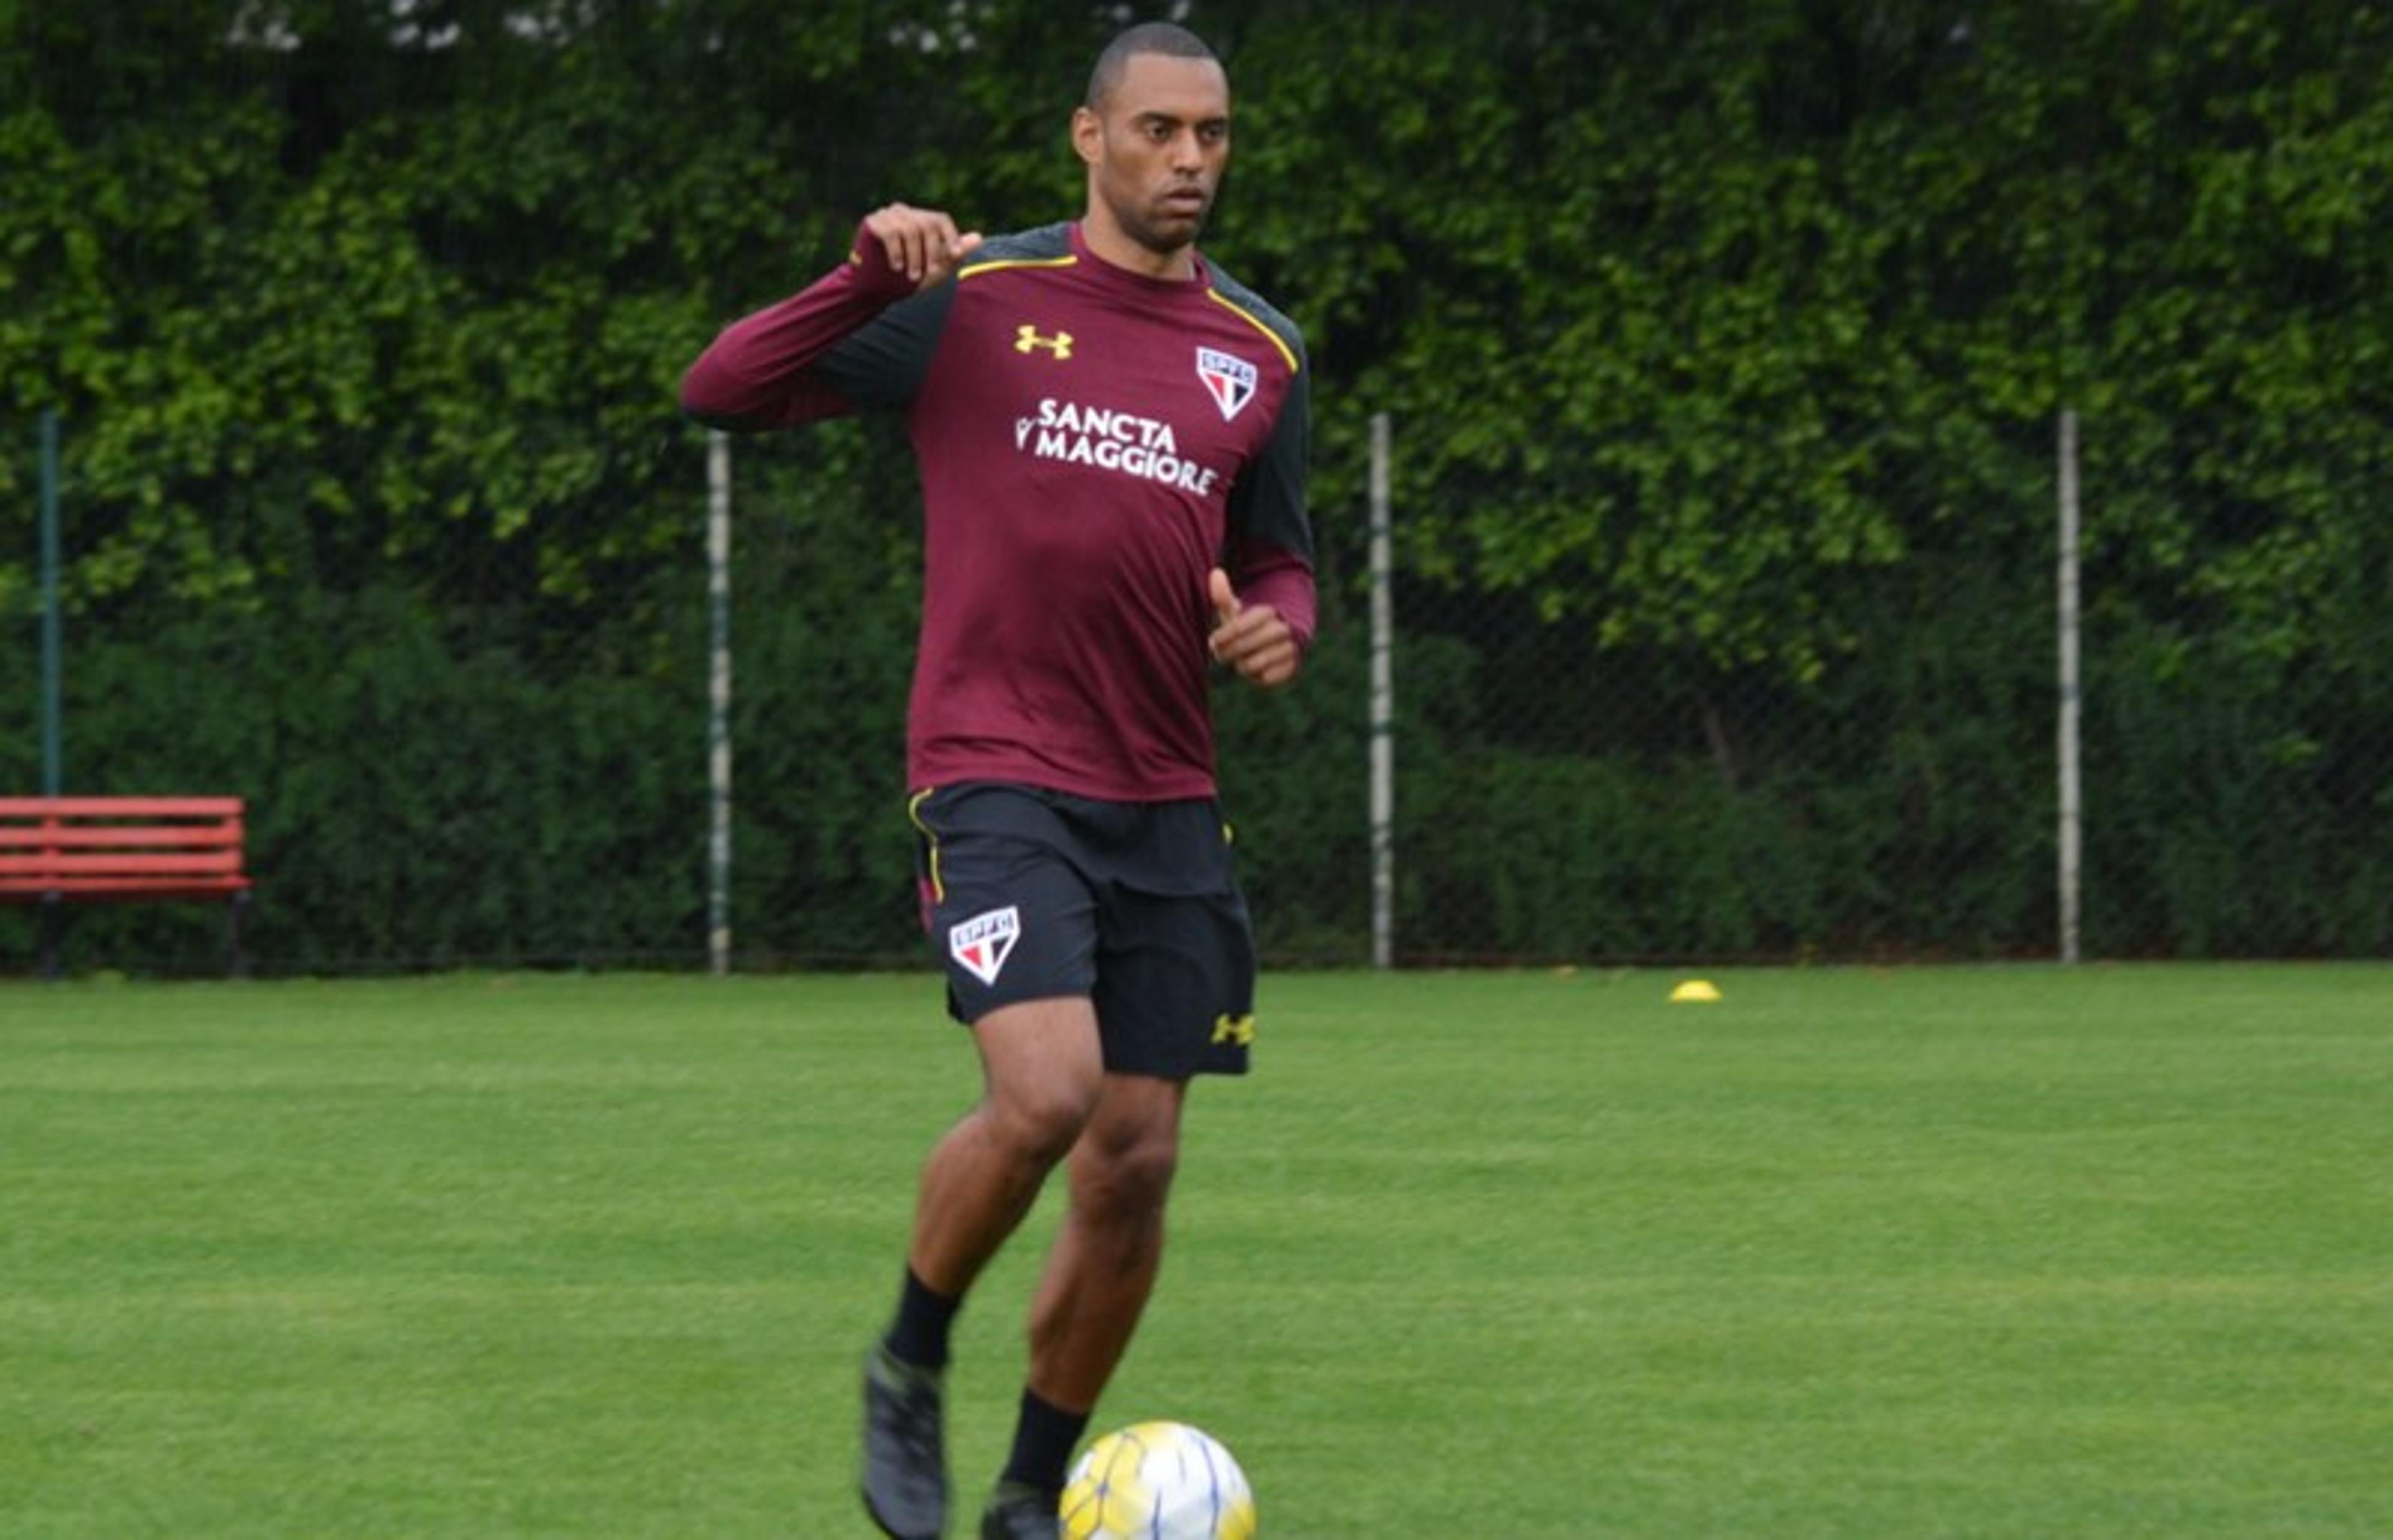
(1020, 1513)
(905, 1448)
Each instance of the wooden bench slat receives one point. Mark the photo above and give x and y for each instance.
(120, 836)
(121, 807)
(113, 881)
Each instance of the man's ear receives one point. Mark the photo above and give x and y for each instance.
(1088, 135)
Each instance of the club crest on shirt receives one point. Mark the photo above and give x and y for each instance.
(983, 943)
(1229, 379)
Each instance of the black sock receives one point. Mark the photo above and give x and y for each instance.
(1043, 1442)
(919, 1336)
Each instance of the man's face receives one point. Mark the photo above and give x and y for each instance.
(1157, 147)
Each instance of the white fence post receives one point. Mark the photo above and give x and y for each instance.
(2072, 791)
(1382, 711)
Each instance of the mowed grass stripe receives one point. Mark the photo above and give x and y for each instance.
(2030, 1251)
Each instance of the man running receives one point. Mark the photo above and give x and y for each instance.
(1111, 434)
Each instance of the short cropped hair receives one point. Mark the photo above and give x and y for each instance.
(1148, 37)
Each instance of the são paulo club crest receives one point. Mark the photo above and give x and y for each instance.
(1230, 381)
(983, 943)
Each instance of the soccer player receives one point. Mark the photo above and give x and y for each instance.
(1111, 435)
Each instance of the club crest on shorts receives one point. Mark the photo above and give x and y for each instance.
(983, 943)
(1229, 379)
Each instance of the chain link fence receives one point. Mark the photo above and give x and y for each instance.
(453, 769)
(2220, 782)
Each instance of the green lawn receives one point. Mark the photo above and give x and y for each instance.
(2002, 1252)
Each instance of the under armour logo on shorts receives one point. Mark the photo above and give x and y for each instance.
(983, 943)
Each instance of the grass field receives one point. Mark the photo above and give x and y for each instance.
(2004, 1252)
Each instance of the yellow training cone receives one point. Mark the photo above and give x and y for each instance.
(1694, 992)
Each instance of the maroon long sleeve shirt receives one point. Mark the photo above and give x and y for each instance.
(1092, 441)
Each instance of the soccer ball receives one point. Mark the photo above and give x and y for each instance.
(1159, 1480)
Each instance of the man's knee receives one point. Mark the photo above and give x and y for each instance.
(1045, 1072)
(1126, 1181)
(1041, 1120)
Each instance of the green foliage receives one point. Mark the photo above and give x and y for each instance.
(826, 605)
(1723, 349)
(421, 791)
(2245, 818)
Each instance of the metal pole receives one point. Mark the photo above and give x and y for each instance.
(718, 719)
(1382, 718)
(53, 654)
(2072, 791)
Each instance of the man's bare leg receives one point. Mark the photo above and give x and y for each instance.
(1107, 1256)
(1097, 1279)
(1042, 1071)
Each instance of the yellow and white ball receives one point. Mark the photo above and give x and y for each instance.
(1157, 1481)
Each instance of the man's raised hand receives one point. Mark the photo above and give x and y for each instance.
(923, 244)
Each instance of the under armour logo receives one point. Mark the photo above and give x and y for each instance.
(1027, 338)
(1234, 1030)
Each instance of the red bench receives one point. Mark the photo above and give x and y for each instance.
(56, 851)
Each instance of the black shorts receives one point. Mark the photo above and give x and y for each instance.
(1031, 894)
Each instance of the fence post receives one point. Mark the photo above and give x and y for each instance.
(2071, 805)
(1382, 711)
(718, 695)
